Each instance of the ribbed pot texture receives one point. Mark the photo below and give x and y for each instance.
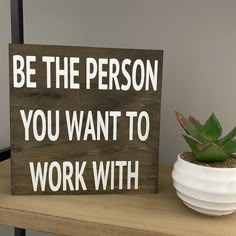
(207, 190)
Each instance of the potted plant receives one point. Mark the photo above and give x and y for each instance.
(205, 178)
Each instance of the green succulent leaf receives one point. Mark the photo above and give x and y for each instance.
(194, 144)
(204, 140)
(212, 129)
(211, 153)
(230, 146)
(228, 137)
(188, 126)
(195, 122)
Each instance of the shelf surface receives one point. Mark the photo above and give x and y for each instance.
(112, 215)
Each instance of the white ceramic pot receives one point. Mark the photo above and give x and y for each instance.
(207, 190)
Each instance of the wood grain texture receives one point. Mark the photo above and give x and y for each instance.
(159, 214)
(75, 100)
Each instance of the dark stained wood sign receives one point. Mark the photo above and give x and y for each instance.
(84, 120)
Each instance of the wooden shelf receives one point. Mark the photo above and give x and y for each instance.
(153, 214)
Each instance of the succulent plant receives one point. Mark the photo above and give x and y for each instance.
(205, 140)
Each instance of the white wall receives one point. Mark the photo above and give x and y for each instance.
(199, 39)
(4, 78)
(198, 36)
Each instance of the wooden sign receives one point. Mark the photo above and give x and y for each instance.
(84, 120)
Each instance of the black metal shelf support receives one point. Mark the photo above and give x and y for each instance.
(5, 154)
(17, 35)
(17, 21)
(19, 232)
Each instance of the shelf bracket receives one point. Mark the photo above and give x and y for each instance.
(19, 232)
